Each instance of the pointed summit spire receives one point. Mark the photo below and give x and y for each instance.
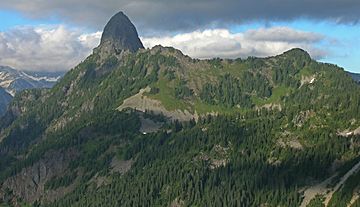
(120, 34)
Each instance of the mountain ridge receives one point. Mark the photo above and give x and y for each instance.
(10, 77)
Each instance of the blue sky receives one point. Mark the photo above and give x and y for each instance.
(345, 52)
(12, 19)
(341, 40)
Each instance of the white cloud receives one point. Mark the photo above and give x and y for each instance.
(283, 34)
(45, 48)
(60, 48)
(222, 43)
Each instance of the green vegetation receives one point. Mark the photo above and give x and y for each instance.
(278, 93)
(317, 202)
(182, 91)
(342, 197)
(228, 92)
(167, 95)
(238, 156)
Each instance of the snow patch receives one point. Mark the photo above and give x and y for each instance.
(5, 83)
(44, 78)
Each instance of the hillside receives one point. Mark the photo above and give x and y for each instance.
(131, 126)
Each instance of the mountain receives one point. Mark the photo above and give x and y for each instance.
(355, 76)
(154, 127)
(119, 35)
(13, 81)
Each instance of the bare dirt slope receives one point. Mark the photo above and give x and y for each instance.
(143, 103)
(322, 189)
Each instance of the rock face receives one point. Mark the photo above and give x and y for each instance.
(119, 35)
(142, 103)
(29, 184)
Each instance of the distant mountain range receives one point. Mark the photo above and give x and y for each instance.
(13, 81)
(355, 76)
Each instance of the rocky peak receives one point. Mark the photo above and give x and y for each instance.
(297, 52)
(119, 35)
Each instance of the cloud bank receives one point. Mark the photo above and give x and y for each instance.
(187, 15)
(43, 48)
(59, 48)
(222, 43)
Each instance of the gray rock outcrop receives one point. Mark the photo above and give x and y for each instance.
(119, 35)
